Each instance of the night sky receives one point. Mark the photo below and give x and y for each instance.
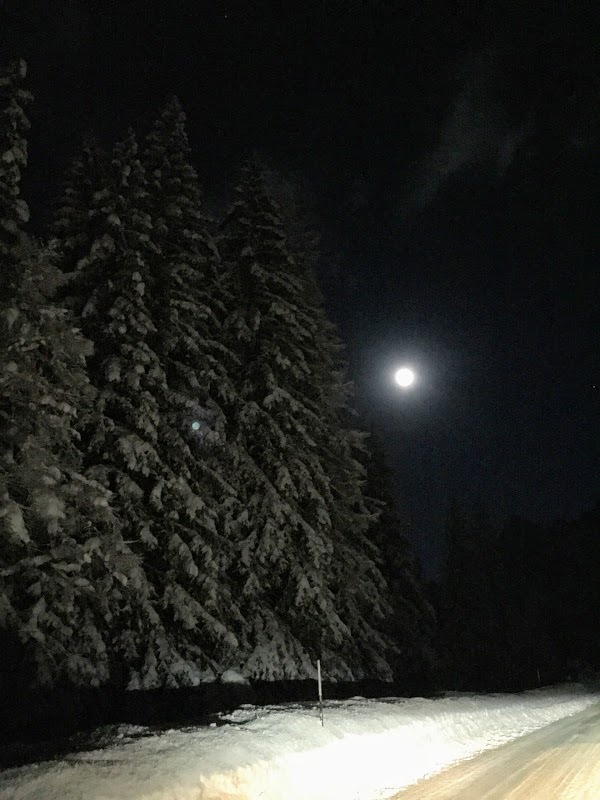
(450, 152)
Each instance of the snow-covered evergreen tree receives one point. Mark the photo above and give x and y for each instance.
(411, 623)
(14, 99)
(111, 284)
(66, 575)
(190, 344)
(305, 567)
(362, 593)
(143, 445)
(65, 571)
(469, 631)
(79, 215)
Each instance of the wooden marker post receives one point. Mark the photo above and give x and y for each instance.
(320, 690)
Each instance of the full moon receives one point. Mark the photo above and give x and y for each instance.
(405, 377)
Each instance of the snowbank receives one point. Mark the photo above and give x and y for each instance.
(367, 749)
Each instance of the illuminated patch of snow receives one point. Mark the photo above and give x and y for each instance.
(231, 676)
(367, 749)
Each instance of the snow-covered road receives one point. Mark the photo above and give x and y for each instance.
(558, 762)
(367, 750)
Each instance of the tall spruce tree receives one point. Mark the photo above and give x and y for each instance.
(524, 649)
(79, 218)
(469, 620)
(362, 596)
(197, 364)
(365, 604)
(65, 571)
(411, 624)
(112, 284)
(300, 538)
(149, 442)
(62, 560)
(14, 99)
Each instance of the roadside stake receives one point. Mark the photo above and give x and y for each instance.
(320, 690)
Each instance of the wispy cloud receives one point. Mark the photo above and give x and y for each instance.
(476, 131)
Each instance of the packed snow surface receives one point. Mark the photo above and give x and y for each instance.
(557, 762)
(366, 749)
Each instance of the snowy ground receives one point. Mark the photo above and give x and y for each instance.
(560, 761)
(367, 749)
